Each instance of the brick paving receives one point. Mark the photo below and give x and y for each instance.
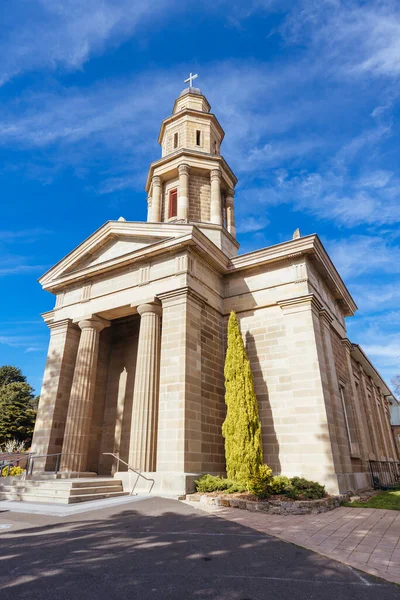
(365, 538)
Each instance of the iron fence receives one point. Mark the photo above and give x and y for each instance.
(384, 475)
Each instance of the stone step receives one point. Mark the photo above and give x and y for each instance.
(56, 499)
(62, 493)
(68, 485)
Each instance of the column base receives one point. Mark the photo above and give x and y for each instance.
(162, 482)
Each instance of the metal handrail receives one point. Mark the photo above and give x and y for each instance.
(59, 455)
(9, 463)
(138, 473)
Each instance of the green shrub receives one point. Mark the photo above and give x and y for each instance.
(214, 483)
(259, 483)
(13, 472)
(278, 484)
(304, 489)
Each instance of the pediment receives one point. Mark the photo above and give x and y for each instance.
(114, 248)
(109, 245)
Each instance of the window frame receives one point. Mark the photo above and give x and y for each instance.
(176, 140)
(171, 193)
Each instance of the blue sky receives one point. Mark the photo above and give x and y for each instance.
(308, 95)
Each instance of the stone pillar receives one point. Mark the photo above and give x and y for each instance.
(149, 209)
(362, 437)
(374, 450)
(54, 396)
(156, 199)
(312, 457)
(78, 426)
(143, 442)
(179, 424)
(215, 209)
(183, 192)
(230, 213)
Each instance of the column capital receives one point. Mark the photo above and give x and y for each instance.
(230, 194)
(347, 344)
(306, 302)
(149, 308)
(63, 325)
(215, 175)
(93, 322)
(326, 317)
(184, 169)
(181, 295)
(156, 180)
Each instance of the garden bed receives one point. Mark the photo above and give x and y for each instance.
(277, 505)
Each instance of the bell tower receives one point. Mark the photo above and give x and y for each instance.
(191, 182)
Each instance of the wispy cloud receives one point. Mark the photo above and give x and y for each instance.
(359, 254)
(356, 38)
(66, 33)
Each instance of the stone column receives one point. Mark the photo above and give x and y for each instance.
(230, 213)
(143, 442)
(54, 396)
(149, 209)
(80, 409)
(156, 199)
(215, 209)
(183, 192)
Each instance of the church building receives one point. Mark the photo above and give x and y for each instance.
(135, 365)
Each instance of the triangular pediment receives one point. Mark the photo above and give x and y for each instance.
(109, 245)
(113, 248)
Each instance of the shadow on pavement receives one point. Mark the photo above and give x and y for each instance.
(164, 549)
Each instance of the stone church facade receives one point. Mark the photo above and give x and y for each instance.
(137, 337)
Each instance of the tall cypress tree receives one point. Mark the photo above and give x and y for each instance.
(241, 428)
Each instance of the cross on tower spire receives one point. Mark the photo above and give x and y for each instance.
(189, 80)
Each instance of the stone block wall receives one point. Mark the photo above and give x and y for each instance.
(213, 408)
(118, 390)
(199, 196)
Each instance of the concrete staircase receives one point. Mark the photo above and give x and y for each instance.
(62, 491)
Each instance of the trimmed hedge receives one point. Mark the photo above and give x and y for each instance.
(263, 485)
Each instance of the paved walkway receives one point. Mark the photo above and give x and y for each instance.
(364, 538)
(160, 549)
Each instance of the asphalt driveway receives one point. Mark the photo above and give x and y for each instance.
(162, 549)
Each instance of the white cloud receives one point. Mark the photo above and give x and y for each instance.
(66, 33)
(349, 37)
(359, 254)
(250, 224)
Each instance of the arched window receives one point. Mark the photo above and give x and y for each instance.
(173, 204)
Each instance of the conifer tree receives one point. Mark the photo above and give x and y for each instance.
(241, 428)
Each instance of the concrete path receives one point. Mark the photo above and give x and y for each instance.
(364, 538)
(160, 549)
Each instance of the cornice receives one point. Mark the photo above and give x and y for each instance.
(187, 154)
(310, 246)
(368, 368)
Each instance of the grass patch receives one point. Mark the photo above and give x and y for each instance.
(386, 500)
